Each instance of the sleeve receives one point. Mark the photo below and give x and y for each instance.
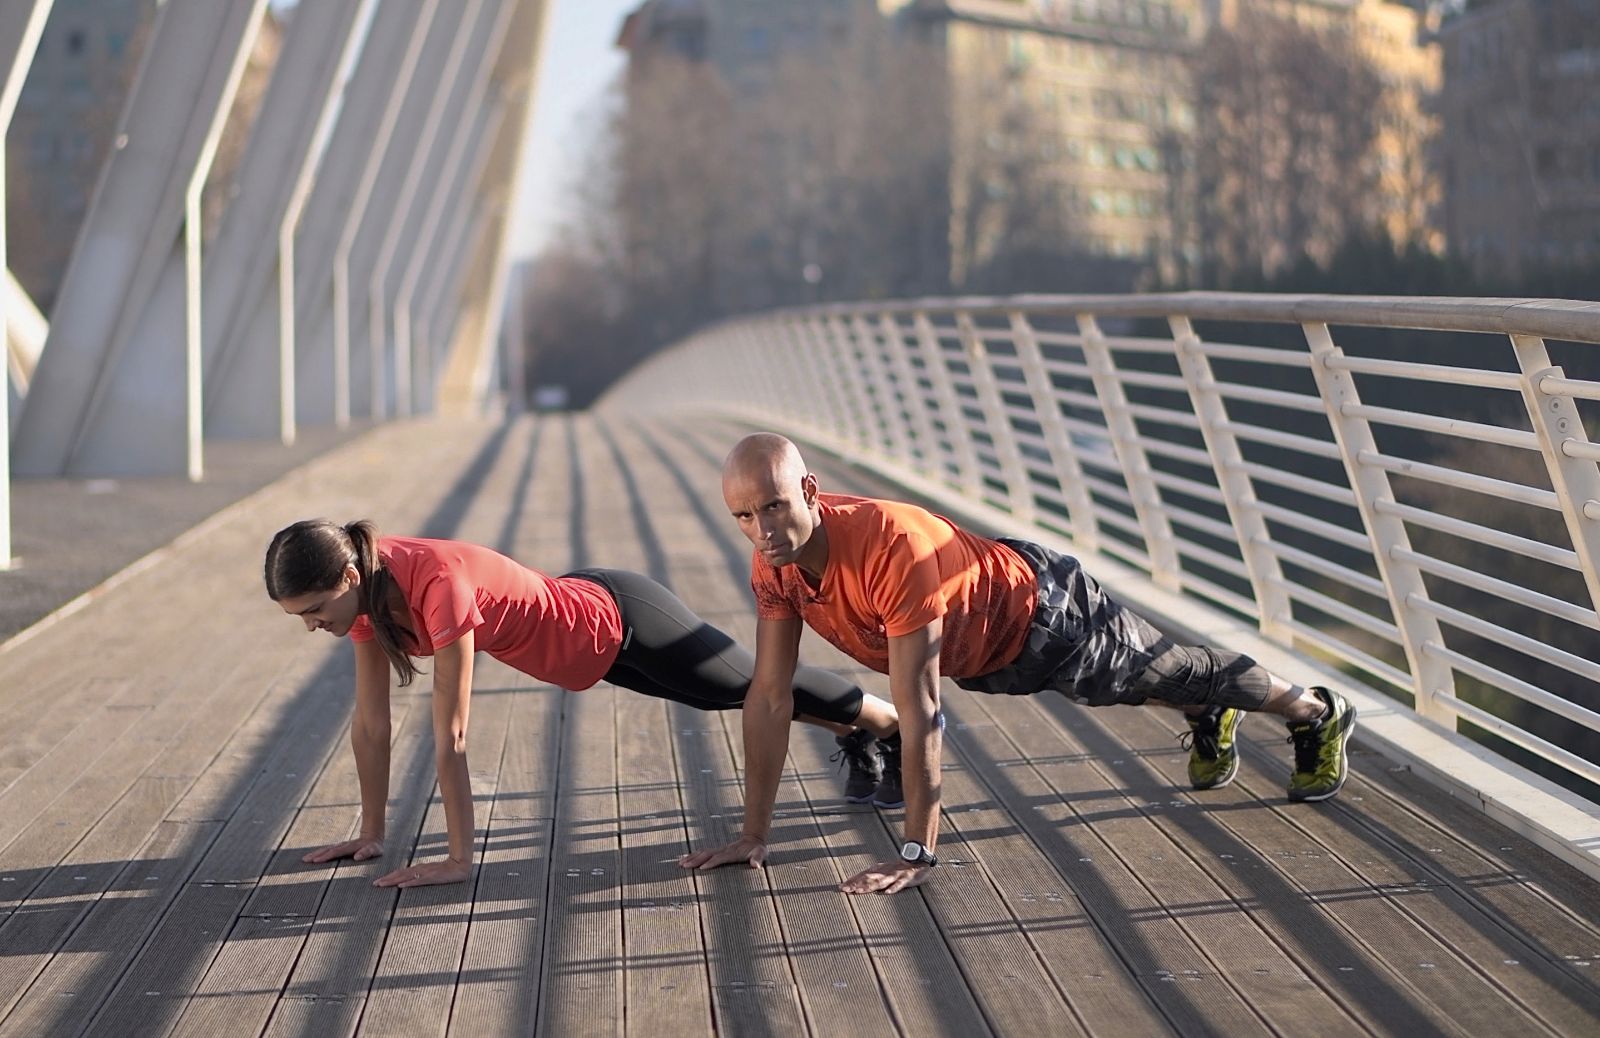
(449, 607)
(361, 630)
(909, 590)
(771, 604)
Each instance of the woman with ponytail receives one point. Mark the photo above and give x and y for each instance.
(399, 598)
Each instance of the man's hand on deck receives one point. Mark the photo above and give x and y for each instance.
(887, 877)
(745, 849)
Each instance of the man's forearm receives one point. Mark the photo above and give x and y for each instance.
(919, 762)
(766, 745)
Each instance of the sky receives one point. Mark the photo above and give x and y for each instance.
(578, 63)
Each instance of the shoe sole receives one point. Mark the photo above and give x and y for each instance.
(1344, 772)
(865, 799)
(880, 803)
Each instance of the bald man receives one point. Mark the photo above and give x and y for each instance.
(911, 595)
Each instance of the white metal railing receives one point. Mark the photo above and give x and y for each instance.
(1420, 506)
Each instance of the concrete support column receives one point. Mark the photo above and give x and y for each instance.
(470, 360)
(249, 363)
(479, 120)
(21, 24)
(327, 377)
(117, 391)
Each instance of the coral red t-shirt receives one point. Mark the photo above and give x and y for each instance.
(560, 630)
(894, 568)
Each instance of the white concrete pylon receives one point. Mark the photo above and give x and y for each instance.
(21, 24)
(478, 115)
(248, 372)
(359, 249)
(326, 375)
(469, 363)
(436, 259)
(426, 168)
(117, 391)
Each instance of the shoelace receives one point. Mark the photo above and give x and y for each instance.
(852, 753)
(1206, 737)
(1307, 746)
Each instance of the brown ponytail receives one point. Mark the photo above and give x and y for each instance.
(310, 556)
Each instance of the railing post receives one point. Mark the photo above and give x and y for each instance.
(944, 392)
(1063, 454)
(1238, 493)
(1019, 486)
(1403, 580)
(824, 362)
(1573, 474)
(926, 445)
(891, 412)
(1165, 566)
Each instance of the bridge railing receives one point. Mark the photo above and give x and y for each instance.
(1402, 487)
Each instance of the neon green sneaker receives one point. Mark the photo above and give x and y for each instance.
(1213, 758)
(1319, 755)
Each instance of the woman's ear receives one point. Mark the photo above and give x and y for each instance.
(352, 576)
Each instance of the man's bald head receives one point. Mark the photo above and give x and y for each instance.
(773, 498)
(765, 455)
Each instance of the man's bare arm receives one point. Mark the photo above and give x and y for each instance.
(768, 710)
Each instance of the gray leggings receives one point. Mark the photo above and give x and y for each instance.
(1086, 645)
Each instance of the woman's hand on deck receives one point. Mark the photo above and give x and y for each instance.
(427, 874)
(356, 850)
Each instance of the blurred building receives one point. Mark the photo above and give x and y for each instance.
(740, 39)
(66, 121)
(1084, 106)
(63, 127)
(1521, 117)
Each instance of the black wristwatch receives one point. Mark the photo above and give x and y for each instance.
(916, 854)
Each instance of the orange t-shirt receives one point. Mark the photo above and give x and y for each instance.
(562, 631)
(894, 568)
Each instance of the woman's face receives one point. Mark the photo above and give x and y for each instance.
(334, 610)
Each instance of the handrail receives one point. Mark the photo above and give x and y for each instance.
(1007, 400)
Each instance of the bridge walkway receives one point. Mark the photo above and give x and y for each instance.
(172, 746)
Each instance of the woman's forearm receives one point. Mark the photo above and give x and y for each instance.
(372, 772)
(455, 789)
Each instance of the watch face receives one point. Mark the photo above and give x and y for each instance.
(912, 851)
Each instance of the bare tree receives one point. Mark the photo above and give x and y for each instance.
(1285, 149)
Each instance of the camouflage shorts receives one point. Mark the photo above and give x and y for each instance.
(1081, 642)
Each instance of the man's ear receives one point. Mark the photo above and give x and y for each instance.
(808, 489)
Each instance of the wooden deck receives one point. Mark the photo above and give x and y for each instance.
(169, 752)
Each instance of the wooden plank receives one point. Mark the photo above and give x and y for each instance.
(67, 993)
(241, 988)
(752, 984)
(582, 978)
(1082, 822)
(1049, 915)
(1421, 935)
(416, 979)
(666, 989)
(502, 964)
(341, 951)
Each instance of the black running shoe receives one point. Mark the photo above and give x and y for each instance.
(889, 792)
(856, 752)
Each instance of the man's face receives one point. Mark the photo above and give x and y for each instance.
(776, 514)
